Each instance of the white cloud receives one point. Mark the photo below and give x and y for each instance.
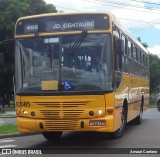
(124, 10)
(135, 16)
(158, 26)
(155, 50)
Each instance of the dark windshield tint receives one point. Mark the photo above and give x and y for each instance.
(54, 68)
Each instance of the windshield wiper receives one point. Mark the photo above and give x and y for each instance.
(39, 38)
(78, 42)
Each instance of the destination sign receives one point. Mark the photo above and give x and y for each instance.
(63, 22)
(66, 25)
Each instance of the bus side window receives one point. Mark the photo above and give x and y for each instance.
(138, 55)
(124, 53)
(134, 52)
(118, 50)
(123, 45)
(129, 49)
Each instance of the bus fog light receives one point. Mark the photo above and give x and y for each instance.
(33, 114)
(91, 113)
(25, 112)
(100, 112)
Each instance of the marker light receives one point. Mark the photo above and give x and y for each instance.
(17, 112)
(100, 112)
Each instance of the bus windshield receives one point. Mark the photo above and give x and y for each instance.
(50, 65)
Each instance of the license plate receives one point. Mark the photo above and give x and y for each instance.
(97, 123)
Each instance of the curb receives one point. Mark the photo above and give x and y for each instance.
(18, 135)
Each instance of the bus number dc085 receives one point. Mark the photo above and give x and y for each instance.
(23, 104)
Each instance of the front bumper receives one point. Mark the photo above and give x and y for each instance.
(39, 125)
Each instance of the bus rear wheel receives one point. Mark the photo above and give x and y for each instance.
(52, 136)
(120, 131)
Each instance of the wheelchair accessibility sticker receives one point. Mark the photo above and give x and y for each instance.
(68, 85)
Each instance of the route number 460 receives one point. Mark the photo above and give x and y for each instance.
(32, 27)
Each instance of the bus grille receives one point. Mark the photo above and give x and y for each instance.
(62, 110)
(66, 114)
(58, 125)
(63, 104)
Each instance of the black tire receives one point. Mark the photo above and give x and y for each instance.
(158, 105)
(138, 119)
(52, 136)
(118, 133)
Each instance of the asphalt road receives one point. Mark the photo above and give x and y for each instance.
(136, 137)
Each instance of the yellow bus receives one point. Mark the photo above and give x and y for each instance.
(78, 72)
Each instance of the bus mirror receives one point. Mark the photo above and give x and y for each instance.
(117, 42)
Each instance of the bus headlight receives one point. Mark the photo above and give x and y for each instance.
(25, 112)
(100, 112)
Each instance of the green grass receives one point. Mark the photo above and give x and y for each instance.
(153, 100)
(2, 112)
(8, 128)
(152, 105)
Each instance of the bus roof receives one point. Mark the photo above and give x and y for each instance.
(128, 34)
(114, 20)
(61, 14)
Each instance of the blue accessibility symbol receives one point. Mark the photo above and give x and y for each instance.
(67, 85)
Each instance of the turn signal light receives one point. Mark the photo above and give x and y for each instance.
(110, 111)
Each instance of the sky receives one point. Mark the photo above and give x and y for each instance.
(140, 17)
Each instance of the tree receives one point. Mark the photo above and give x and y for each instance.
(154, 70)
(10, 11)
(144, 44)
(154, 73)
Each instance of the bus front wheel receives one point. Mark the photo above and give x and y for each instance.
(52, 136)
(120, 131)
